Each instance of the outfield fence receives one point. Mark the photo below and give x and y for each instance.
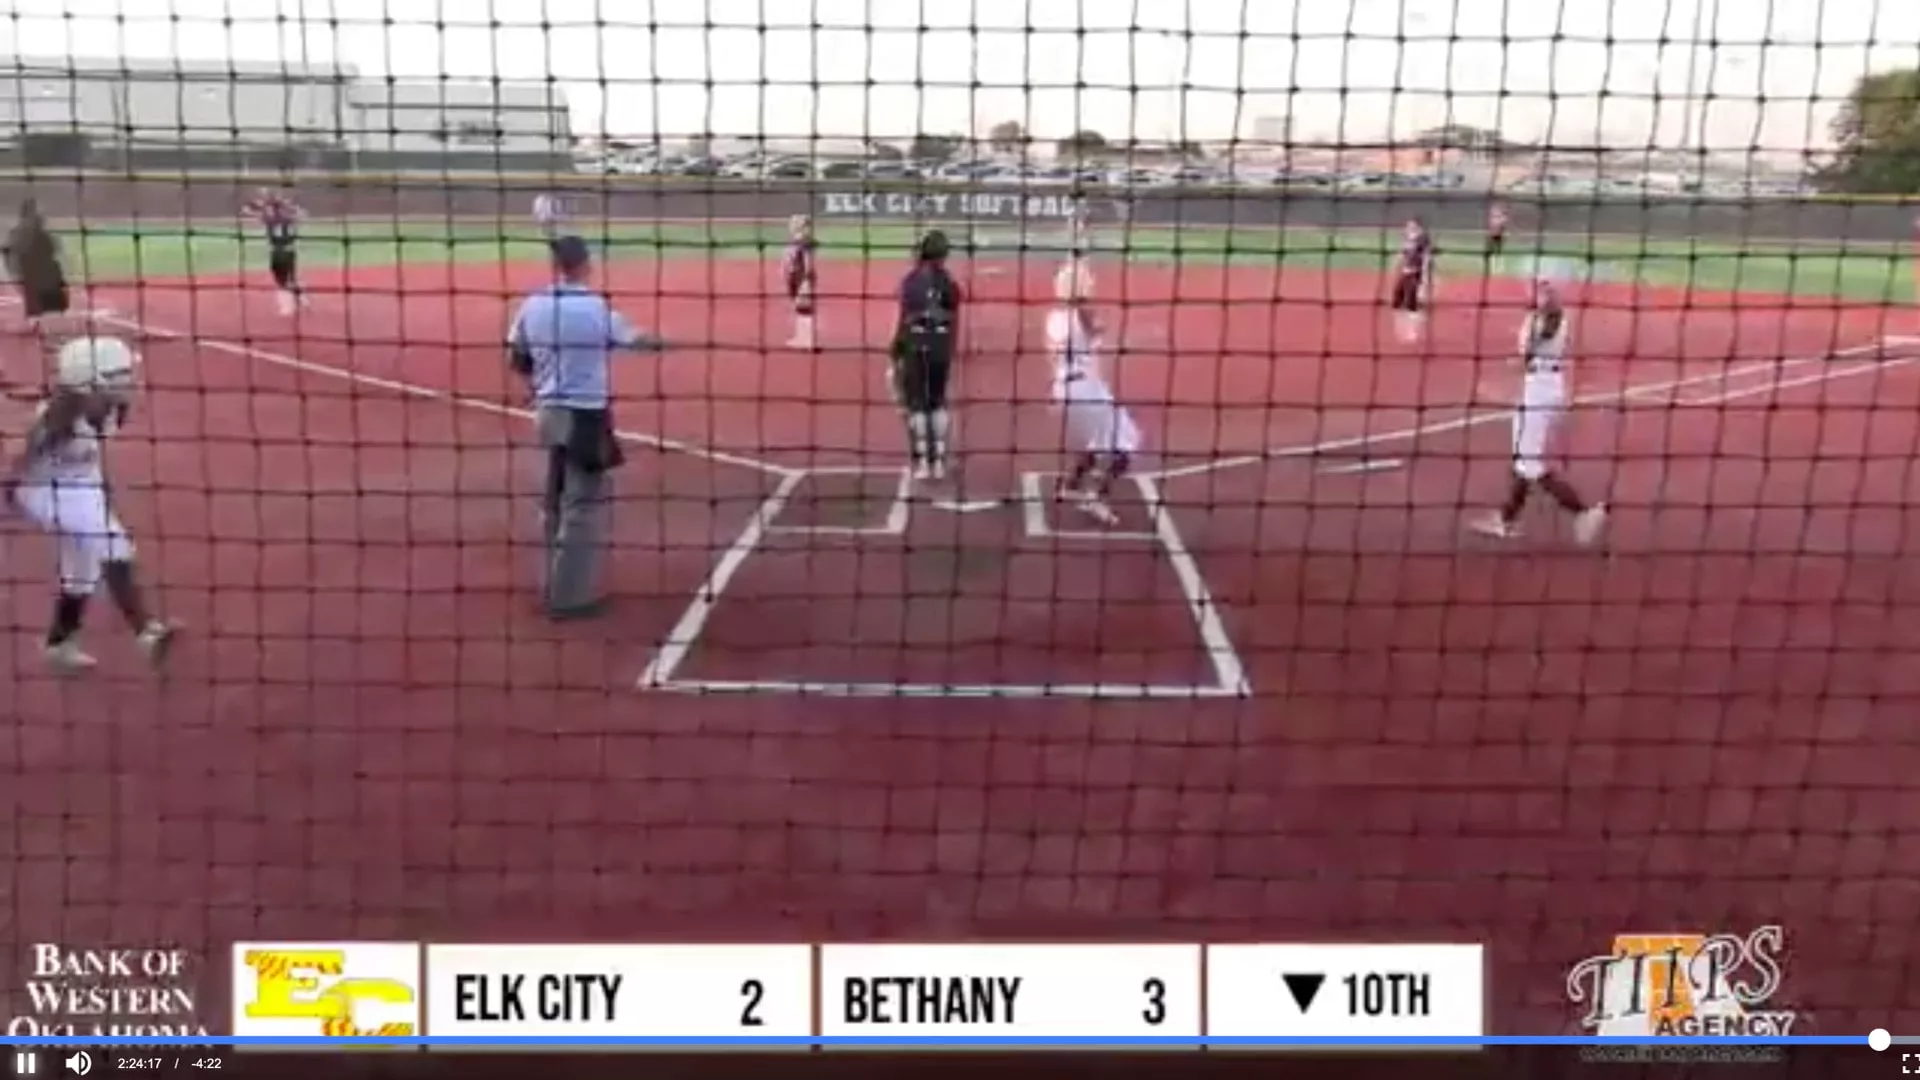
(105, 196)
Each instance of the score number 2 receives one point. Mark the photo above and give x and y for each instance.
(752, 990)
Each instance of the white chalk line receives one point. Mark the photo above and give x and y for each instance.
(1834, 375)
(686, 631)
(1474, 420)
(1229, 669)
(407, 389)
(1364, 465)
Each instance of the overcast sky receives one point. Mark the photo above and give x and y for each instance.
(847, 67)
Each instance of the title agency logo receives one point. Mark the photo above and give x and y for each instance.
(1684, 984)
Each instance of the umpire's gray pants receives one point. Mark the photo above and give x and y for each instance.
(574, 510)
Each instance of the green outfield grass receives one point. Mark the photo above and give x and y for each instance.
(108, 252)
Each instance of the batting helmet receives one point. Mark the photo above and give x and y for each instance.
(90, 363)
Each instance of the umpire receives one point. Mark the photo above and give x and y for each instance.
(922, 353)
(562, 342)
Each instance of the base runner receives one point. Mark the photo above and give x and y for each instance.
(799, 271)
(280, 216)
(1413, 282)
(1543, 401)
(59, 482)
(549, 214)
(1100, 434)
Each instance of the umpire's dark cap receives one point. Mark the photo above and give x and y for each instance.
(934, 245)
(571, 253)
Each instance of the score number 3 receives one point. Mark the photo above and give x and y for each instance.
(1156, 1011)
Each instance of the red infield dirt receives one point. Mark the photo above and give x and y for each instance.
(371, 733)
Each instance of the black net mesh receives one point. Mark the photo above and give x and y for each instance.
(1189, 634)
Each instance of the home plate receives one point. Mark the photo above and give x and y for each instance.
(966, 506)
(1365, 465)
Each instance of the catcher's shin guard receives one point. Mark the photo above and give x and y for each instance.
(939, 427)
(918, 427)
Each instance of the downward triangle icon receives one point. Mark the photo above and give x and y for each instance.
(1303, 988)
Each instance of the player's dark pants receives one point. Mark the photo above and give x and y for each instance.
(284, 265)
(44, 297)
(581, 454)
(1496, 244)
(921, 377)
(1406, 293)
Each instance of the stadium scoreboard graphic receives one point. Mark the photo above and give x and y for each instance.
(794, 993)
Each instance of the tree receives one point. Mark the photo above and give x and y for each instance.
(1080, 145)
(1877, 136)
(1007, 137)
(935, 147)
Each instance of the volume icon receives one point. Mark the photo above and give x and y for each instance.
(80, 1064)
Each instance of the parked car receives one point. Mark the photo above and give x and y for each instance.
(634, 166)
(787, 169)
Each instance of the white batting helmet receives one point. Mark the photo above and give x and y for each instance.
(1073, 282)
(90, 363)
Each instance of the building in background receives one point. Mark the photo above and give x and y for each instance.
(184, 113)
(398, 116)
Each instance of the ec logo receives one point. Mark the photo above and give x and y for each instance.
(349, 990)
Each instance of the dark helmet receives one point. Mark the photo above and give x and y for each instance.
(934, 246)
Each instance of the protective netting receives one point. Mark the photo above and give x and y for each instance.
(1263, 682)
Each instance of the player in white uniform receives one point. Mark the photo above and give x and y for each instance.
(1543, 400)
(59, 482)
(548, 215)
(1099, 433)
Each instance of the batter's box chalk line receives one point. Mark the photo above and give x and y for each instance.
(1229, 671)
(899, 510)
(1035, 498)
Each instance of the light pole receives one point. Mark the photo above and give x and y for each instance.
(1179, 73)
(1695, 115)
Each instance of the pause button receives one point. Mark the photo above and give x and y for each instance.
(25, 1063)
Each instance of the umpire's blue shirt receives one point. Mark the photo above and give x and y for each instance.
(570, 332)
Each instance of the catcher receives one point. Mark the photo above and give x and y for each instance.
(923, 348)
